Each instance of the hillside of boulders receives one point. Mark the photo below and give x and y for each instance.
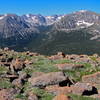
(31, 76)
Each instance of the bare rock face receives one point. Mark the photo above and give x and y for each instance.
(68, 66)
(83, 89)
(56, 90)
(92, 78)
(51, 78)
(62, 97)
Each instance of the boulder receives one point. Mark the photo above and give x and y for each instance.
(51, 78)
(92, 78)
(83, 89)
(56, 90)
(7, 94)
(69, 66)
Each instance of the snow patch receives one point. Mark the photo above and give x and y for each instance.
(48, 17)
(82, 22)
(27, 15)
(1, 17)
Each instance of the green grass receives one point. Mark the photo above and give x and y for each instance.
(78, 73)
(3, 70)
(93, 58)
(61, 61)
(42, 94)
(78, 97)
(21, 96)
(5, 83)
(41, 64)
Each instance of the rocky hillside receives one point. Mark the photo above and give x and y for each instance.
(31, 76)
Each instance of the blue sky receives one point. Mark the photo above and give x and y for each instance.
(47, 7)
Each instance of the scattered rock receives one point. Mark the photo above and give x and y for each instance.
(15, 77)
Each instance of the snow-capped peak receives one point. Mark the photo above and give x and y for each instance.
(82, 11)
(27, 15)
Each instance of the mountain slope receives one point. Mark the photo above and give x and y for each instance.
(77, 41)
(77, 32)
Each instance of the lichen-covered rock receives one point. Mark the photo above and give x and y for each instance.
(51, 78)
(56, 90)
(83, 89)
(69, 66)
(92, 78)
(7, 94)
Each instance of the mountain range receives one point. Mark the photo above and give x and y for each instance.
(78, 32)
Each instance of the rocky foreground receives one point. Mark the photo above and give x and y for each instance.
(31, 76)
